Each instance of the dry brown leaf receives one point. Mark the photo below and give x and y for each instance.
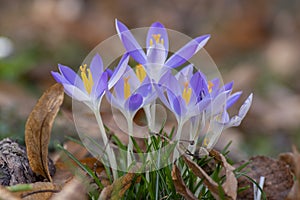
(38, 129)
(293, 159)
(278, 178)
(180, 187)
(207, 180)
(7, 195)
(230, 184)
(116, 190)
(63, 173)
(73, 190)
(40, 190)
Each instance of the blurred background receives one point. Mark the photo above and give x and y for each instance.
(255, 43)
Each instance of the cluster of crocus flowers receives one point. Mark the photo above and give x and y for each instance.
(187, 94)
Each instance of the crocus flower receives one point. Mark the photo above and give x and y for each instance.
(155, 59)
(216, 113)
(183, 98)
(197, 122)
(90, 86)
(222, 121)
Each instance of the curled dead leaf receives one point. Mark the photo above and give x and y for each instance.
(207, 180)
(117, 190)
(67, 193)
(7, 195)
(231, 183)
(229, 186)
(180, 186)
(38, 129)
(39, 190)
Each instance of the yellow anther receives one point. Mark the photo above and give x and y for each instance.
(157, 38)
(151, 42)
(187, 92)
(87, 78)
(140, 72)
(205, 142)
(210, 86)
(126, 88)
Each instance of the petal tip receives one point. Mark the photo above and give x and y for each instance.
(157, 25)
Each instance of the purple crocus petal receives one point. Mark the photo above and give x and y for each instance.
(246, 106)
(215, 87)
(199, 84)
(68, 73)
(198, 108)
(134, 102)
(146, 81)
(59, 78)
(150, 98)
(193, 99)
(175, 105)
(133, 80)
(219, 102)
(236, 120)
(170, 82)
(130, 44)
(119, 89)
(71, 76)
(144, 90)
(100, 86)
(75, 93)
(160, 93)
(232, 99)
(119, 71)
(228, 86)
(96, 67)
(183, 106)
(156, 55)
(158, 28)
(112, 100)
(109, 72)
(187, 51)
(185, 74)
(203, 104)
(225, 117)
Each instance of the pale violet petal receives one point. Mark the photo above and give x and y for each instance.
(236, 120)
(156, 55)
(232, 99)
(71, 76)
(96, 67)
(119, 71)
(185, 74)
(130, 43)
(187, 51)
(76, 93)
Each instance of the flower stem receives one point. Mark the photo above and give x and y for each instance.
(177, 138)
(130, 143)
(108, 150)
